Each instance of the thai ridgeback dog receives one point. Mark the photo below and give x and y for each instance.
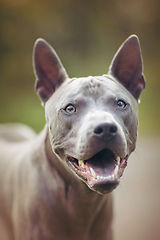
(57, 185)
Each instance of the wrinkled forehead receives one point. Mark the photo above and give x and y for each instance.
(85, 88)
(93, 86)
(97, 86)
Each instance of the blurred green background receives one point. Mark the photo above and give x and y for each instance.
(86, 35)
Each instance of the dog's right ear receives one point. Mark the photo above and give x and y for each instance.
(48, 69)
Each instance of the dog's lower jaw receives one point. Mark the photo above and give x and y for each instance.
(101, 172)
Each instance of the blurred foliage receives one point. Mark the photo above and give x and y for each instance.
(86, 35)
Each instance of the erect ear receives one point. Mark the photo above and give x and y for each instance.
(126, 66)
(48, 69)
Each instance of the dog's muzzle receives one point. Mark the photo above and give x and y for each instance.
(101, 172)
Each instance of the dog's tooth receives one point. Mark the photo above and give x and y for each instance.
(112, 177)
(118, 159)
(116, 170)
(98, 177)
(93, 172)
(81, 163)
(109, 177)
(105, 178)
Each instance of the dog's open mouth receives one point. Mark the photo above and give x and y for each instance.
(102, 171)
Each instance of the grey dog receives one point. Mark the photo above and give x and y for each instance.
(57, 185)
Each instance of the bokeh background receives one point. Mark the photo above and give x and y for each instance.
(86, 34)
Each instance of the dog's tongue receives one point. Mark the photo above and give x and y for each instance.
(102, 163)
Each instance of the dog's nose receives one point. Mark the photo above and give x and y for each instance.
(106, 130)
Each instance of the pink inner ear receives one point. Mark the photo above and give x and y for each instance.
(42, 91)
(141, 81)
(39, 85)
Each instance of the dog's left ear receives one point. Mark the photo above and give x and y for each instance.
(48, 69)
(126, 66)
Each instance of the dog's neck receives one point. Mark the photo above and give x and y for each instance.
(82, 207)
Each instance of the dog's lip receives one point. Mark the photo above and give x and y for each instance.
(104, 167)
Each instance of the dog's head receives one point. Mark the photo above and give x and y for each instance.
(92, 121)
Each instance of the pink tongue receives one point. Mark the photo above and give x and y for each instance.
(103, 163)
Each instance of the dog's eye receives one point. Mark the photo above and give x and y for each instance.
(121, 104)
(70, 109)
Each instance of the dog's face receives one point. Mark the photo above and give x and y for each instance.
(92, 121)
(93, 129)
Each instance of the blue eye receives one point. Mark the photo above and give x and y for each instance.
(121, 104)
(70, 109)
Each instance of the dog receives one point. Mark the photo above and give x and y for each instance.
(58, 184)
